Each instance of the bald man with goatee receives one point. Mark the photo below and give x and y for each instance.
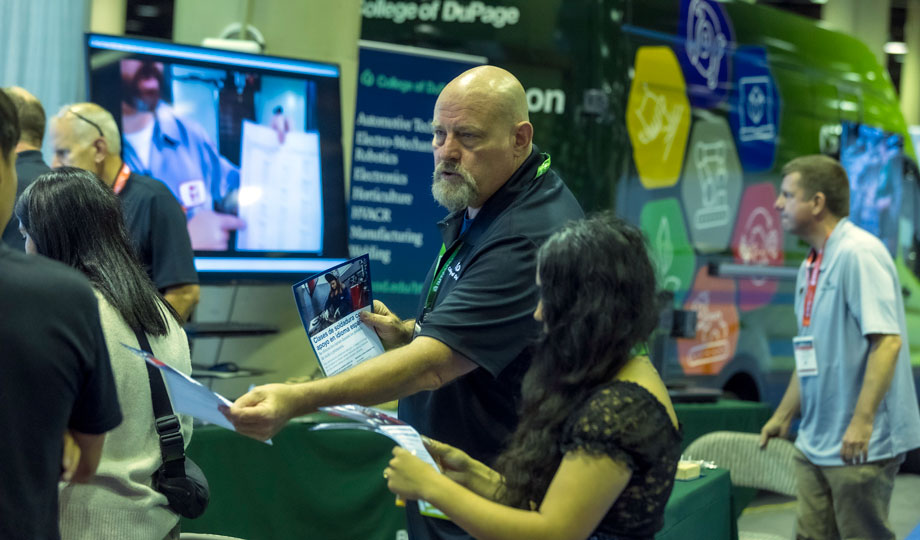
(456, 366)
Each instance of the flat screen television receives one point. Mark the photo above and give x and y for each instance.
(250, 145)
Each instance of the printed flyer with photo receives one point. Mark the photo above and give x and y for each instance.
(329, 304)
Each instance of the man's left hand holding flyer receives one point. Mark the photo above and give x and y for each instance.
(329, 304)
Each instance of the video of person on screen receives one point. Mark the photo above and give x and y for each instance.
(873, 160)
(239, 150)
(331, 295)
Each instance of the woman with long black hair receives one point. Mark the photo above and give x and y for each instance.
(596, 449)
(69, 215)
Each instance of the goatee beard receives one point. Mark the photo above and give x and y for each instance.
(457, 192)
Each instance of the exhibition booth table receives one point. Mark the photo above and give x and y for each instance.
(329, 485)
(698, 419)
(701, 508)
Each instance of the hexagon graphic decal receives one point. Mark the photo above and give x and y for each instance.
(663, 224)
(755, 109)
(708, 39)
(713, 300)
(711, 184)
(758, 240)
(657, 117)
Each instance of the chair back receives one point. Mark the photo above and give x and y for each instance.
(771, 468)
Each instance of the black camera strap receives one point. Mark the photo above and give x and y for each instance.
(172, 446)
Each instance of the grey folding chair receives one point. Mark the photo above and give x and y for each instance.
(772, 468)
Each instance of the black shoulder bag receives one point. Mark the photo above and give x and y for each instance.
(179, 478)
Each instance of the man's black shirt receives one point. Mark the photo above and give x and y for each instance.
(29, 166)
(157, 226)
(54, 374)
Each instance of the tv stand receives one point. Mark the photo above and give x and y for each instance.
(226, 370)
(227, 329)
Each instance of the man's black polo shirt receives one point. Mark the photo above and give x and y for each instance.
(484, 311)
(55, 374)
(157, 226)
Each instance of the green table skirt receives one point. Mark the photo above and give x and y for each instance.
(699, 419)
(310, 484)
(328, 485)
(700, 509)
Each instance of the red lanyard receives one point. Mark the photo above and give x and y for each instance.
(814, 268)
(121, 179)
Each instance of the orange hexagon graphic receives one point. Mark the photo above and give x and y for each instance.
(713, 300)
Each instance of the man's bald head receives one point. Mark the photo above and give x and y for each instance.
(482, 135)
(31, 116)
(496, 88)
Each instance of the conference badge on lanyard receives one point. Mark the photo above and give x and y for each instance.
(806, 362)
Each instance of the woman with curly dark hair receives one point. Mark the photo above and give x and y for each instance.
(597, 446)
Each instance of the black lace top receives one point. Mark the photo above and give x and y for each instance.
(626, 422)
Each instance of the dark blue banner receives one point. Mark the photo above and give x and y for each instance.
(392, 215)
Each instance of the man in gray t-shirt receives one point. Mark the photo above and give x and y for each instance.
(853, 384)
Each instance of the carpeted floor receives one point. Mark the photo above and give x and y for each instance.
(772, 517)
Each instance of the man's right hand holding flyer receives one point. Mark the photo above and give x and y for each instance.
(264, 410)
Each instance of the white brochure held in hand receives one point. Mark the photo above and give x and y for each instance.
(187, 395)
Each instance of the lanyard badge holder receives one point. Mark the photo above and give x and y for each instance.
(806, 361)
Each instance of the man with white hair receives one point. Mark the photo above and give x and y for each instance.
(86, 136)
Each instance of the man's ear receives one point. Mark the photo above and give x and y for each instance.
(820, 203)
(523, 136)
(102, 150)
